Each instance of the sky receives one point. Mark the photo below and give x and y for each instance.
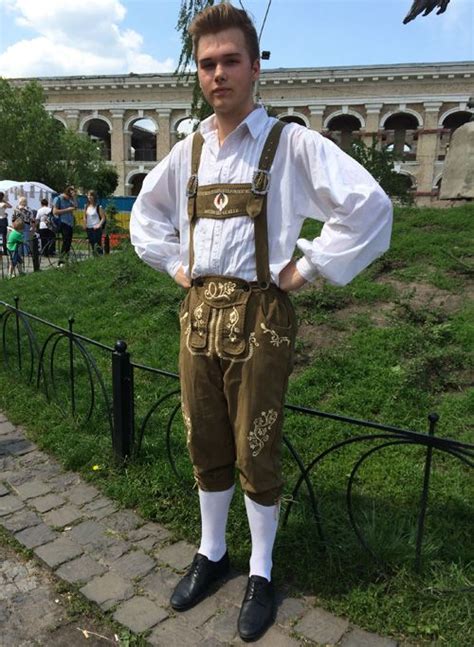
(97, 37)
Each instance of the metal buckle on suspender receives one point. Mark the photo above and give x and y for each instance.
(260, 182)
(192, 186)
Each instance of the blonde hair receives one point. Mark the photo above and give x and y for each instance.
(225, 16)
(22, 202)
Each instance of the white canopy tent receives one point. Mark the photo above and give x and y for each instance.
(33, 191)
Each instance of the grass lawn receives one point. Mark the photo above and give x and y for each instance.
(393, 346)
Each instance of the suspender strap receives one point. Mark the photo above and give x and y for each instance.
(191, 192)
(257, 203)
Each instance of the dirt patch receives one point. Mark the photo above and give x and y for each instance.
(423, 295)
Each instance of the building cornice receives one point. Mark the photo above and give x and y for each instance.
(292, 76)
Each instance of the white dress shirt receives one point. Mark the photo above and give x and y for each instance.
(310, 178)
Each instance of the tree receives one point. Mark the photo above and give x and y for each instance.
(380, 163)
(189, 8)
(35, 146)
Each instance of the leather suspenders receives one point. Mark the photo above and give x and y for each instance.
(230, 200)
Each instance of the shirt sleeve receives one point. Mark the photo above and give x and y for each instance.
(334, 188)
(154, 222)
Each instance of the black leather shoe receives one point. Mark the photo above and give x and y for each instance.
(193, 587)
(258, 608)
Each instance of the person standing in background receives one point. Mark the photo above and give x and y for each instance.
(64, 206)
(47, 236)
(4, 205)
(24, 213)
(94, 219)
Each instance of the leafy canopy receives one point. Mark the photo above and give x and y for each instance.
(34, 145)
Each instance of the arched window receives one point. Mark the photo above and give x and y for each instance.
(293, 119)
(136, 182)
(341, 130)
(143, 140)
(400, 135)
(451, 123)
(98, 130)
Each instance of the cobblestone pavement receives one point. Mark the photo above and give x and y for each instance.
(33, 612)
(128, 566)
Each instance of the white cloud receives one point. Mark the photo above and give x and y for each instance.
(70, 39)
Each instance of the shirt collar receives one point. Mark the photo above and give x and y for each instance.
(254, 123)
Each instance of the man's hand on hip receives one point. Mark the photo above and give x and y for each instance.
(290, 279)
(181, 278)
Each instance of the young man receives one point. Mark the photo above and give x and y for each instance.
(226, 233)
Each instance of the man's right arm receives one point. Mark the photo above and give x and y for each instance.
(154, 222)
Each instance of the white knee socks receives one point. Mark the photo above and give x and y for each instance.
(214, 511)
(263, 522)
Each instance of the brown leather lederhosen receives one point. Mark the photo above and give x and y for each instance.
(237, 342)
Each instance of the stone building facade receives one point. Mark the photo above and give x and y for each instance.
(412, 108)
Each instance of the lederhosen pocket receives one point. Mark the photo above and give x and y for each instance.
(199, 313)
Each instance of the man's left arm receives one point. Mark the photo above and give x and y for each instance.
(357, 213)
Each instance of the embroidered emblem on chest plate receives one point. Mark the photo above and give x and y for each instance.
(221, 201)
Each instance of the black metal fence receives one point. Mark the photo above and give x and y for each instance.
(62, 363)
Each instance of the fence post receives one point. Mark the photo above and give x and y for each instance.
(123, 402)
(35, 253)
(106, 244)
(433, 418)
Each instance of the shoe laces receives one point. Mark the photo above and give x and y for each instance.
(255, 586)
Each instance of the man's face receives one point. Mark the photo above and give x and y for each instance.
(226, 73)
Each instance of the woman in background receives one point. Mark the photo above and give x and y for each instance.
(94, 219)
(24, 213)
(4, 205)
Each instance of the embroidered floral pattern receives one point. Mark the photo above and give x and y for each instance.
(198, 323)
(258, 436)
(275, 338)
(232, 325)
(187, 423)
(219, 290)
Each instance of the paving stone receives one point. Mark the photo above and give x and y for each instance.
(47, 503)
(139, 614)
(202, 612)
(89, 532)
(35, 458)
(322, 627)
(360, 638)
(109, 551)
(18, 447)
(101, 513)
(107, 590)
(20, 520)
(63, 516)
(81, 493)
(160, 584)
(33, 489)
(10, 503)
(174, 633)
(134, 564)
(123, 521)
(58, 551)
(36, 536)
(96, 504)
(178, 555)
(223, 626)
(274, 637)
(6, 427)
(3, 490)
(233, 589)
(149, 535)
(64, 480)
(80, 570)
(289, 609)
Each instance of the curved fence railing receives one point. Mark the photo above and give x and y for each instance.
(83, 377)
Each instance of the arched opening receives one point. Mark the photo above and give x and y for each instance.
(400, 135)
(451, 123)
(143, 141)
(98, 131)
(293, 119)
(59, 124)
(136, 181)
(184, 127)
(342, 129)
